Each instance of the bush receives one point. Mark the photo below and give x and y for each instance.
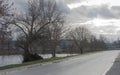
(32, 57)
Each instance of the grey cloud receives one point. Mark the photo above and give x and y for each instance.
(22, 4)
(92, 12)
(72, 1)
(85, 13)
(115, 8)
(63, 6)
(107, 29)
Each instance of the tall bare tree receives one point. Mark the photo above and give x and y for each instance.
(33, 25)
(5, 16)
(80, 37)
(55, 32)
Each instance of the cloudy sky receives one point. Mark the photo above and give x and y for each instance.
(100, 16)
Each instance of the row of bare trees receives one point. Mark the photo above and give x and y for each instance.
(83, 40)
(41, 25)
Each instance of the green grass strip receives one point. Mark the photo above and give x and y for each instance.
(32, 62)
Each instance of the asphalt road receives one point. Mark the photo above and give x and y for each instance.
(90, 64)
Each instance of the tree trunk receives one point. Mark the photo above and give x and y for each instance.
(30, 57)
(81, 50)
(54, 53)
(26, 55)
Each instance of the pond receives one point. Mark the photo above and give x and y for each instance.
(10, 59)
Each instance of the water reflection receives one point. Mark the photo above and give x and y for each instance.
(10, 59)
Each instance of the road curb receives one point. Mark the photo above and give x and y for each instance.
(115, 69)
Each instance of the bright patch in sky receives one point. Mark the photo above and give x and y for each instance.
(75, 5)
(94, 2)
(108, 24)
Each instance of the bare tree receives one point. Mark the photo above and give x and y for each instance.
(55, 32)
(33, 25)
(98, 43)
(5, 7)
(80, 37)
(5, 15)
(102, 42)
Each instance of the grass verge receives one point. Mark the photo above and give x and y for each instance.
(41, 61)
(33, 62)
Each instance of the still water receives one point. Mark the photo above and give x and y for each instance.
(10, 59)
